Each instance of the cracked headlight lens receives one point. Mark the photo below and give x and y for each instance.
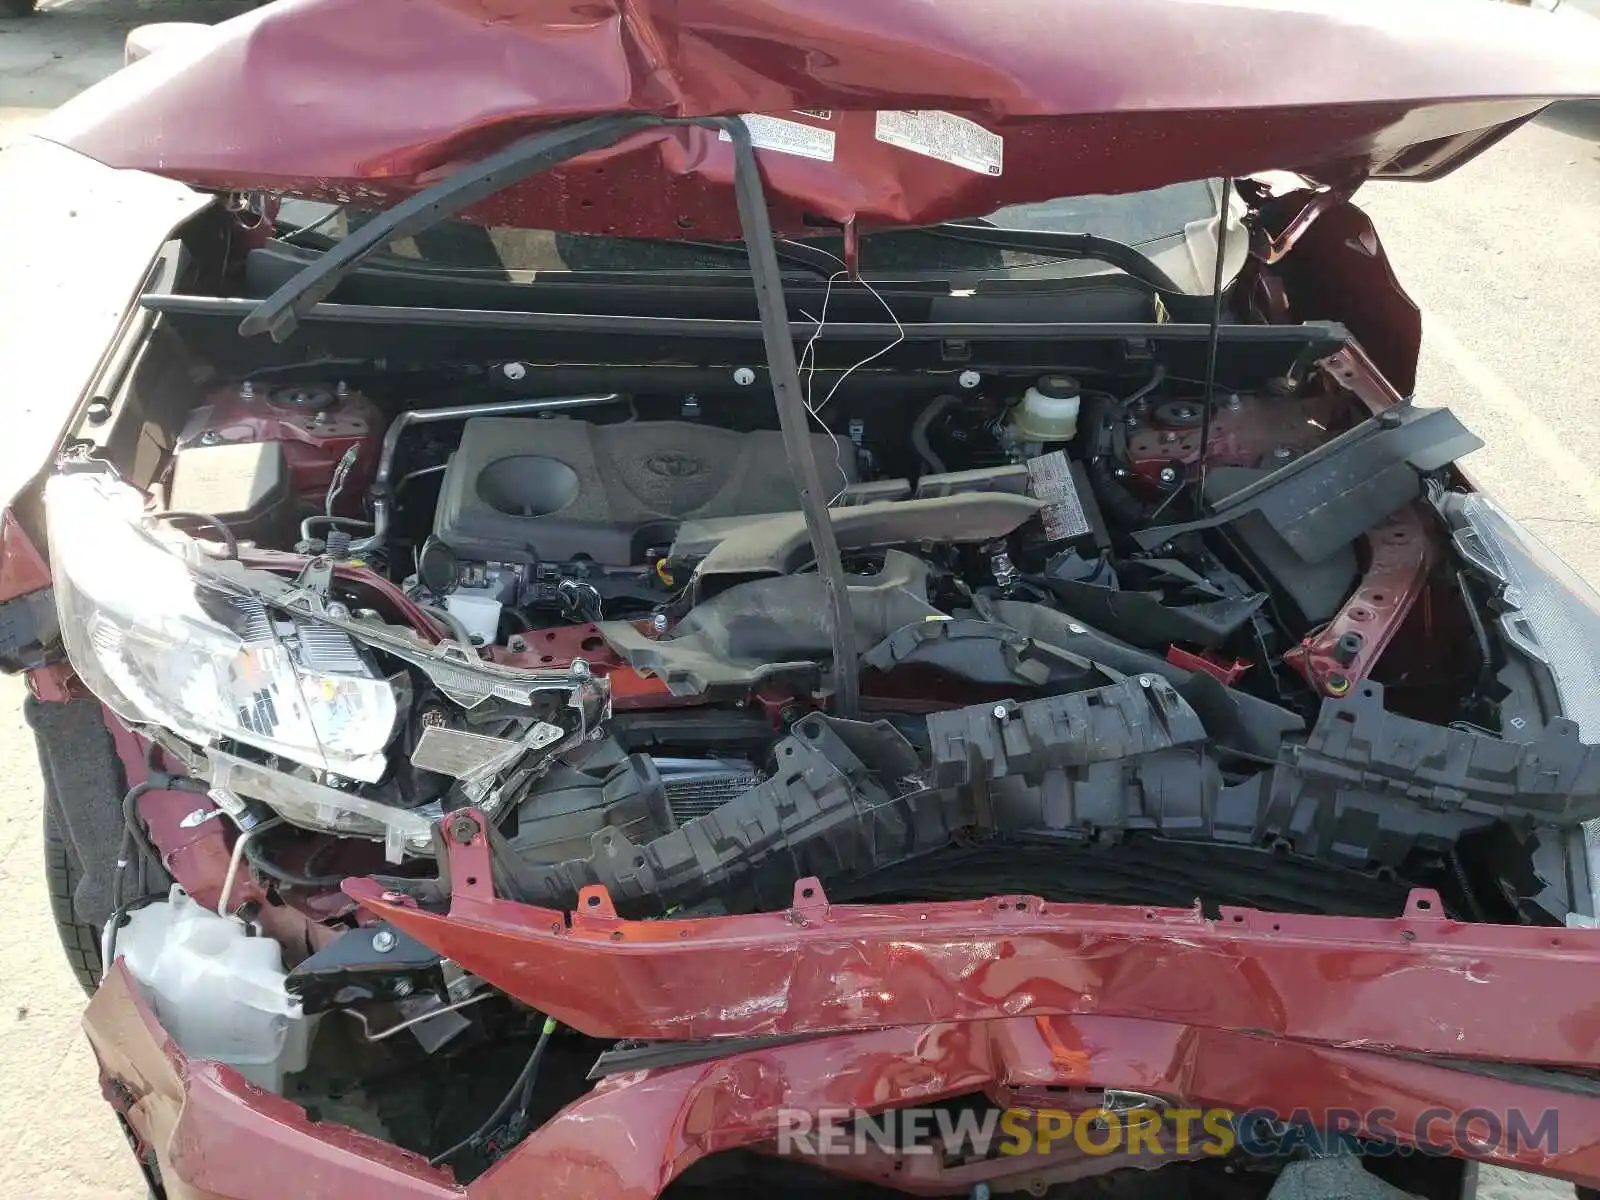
(159, 644)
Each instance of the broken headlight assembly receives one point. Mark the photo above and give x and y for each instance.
(161, 641)
(1549, 613)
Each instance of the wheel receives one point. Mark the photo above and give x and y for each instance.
(17, 8)
(79, 942)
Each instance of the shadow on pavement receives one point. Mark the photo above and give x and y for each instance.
(1580, 118)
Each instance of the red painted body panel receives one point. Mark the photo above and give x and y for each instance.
(313, 440)
(22, 567)
(196, 854)
(1401, 552)
(215, 1135)
(822, 969)
(367, 101)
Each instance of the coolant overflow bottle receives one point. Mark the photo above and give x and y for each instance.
(1048, 412)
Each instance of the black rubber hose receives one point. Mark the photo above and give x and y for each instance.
(258, 859)
(155, 781)
(1479, 633)
(206, 518)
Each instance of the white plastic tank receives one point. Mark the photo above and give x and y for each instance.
(217, 990)
(478, 614)
(1048, 412)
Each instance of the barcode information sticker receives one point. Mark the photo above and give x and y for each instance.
(787, 137)
(1050, 481)
(946, 137)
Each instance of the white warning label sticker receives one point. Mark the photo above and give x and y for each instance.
(787, 137)
(1050, 480)
(944, 136)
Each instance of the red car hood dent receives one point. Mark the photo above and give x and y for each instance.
(366, 100)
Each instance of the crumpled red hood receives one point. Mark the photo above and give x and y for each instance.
(368, 100)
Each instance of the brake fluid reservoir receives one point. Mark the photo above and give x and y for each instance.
(218, 991)
(1048, 412)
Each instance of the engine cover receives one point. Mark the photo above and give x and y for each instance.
(526, 489)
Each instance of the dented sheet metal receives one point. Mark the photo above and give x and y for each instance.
(213, 1135)
(1417, 983)
(897, 112)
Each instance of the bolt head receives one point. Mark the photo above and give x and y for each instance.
(514, 371)
(1001, 712)
(339, 612)
(383, 941)
(658, 623)
(744, 376)
(969, 380)
(464, 828)
(1169, 475)
(210, 437)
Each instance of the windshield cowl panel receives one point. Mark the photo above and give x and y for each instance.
(1053, 100)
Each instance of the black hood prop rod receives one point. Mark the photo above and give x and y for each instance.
(280, 312)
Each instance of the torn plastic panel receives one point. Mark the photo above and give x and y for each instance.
(1359, 746)
(313, 805)
(1325, 500)
(608, 790)
(777, 545)
(1236, 719)
(1144, 619)
(987, 653)
(848, 797)
(771, 629)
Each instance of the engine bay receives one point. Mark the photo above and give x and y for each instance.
(1108, 649)
(1057, 639)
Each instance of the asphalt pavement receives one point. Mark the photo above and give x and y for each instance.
(1502, 256)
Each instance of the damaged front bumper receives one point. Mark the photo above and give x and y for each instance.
(824, 1008)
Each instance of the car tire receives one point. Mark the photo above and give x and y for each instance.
(79, 942)
(17, 8)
